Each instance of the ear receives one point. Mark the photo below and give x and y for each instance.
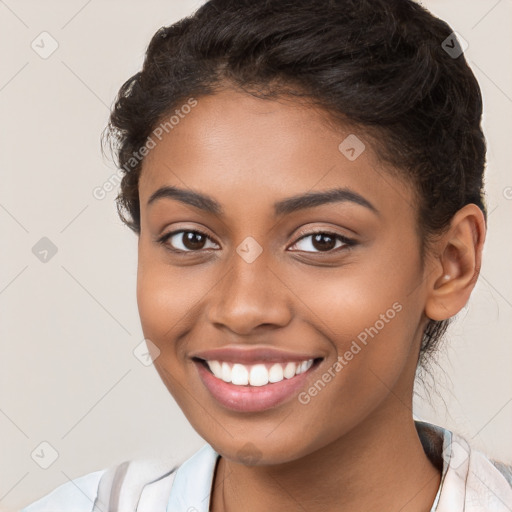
(457, 263)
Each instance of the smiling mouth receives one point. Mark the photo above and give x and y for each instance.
(257, 375)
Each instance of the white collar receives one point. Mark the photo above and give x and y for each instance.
(470, 482)
(192, 483)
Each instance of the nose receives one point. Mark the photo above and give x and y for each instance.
(251, 297)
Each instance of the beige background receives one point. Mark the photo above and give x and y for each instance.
(69, 326)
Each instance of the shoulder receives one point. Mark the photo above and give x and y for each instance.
(470, 480)
(487, 482)
(79, 493)
(125, 486)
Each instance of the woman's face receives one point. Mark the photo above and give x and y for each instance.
(262, 289)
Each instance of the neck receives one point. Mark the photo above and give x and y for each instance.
(380, 465)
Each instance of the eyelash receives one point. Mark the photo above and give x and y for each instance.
(348, 242)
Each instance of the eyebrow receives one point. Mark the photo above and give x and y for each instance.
(283, 207)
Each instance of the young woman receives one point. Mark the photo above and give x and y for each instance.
(305, 181)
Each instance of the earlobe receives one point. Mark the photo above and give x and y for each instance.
(457, 265)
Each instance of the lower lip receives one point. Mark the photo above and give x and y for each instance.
(251, 398)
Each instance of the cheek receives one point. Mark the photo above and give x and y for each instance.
(166, 297)
(167, 300)
(364, 293)
(370, 317)
(372, 361)
(369, 324)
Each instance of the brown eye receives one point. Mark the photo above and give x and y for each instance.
(185, 241)
(323, 241)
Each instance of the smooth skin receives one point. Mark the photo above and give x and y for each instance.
(354, 446)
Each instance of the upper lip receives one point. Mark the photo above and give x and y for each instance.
(237, 354)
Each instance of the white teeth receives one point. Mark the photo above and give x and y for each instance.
(305, 365)
(275, 373)
(216, 368)
(239, 375)
(258, 374)
(226, 372)
(289, 370)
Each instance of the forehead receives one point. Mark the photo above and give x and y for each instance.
(249, 152)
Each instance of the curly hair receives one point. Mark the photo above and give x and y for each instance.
(380, 65)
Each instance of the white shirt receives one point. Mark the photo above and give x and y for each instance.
(470, 482)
